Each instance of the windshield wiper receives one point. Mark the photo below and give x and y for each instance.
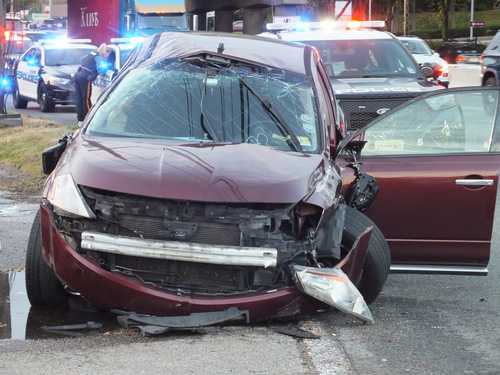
(285, 129)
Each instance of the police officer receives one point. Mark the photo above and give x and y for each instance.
(85, 75)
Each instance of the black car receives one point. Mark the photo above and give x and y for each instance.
(455, 52)
(490, 63)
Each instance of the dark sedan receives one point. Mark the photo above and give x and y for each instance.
(490, 63)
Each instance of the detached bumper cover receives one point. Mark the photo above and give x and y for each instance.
(180, 251)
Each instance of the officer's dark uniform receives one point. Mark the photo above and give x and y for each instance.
(85, 75)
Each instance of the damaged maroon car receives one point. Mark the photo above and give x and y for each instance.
(204, 181)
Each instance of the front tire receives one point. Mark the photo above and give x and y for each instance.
(18, 100)
(490, 82)
(44, 100)
(378, 258)
(42, 285)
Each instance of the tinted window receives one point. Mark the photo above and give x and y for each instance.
(187, 102)
(66, 56)
(442, 124)
(416, 46)
(365, 58)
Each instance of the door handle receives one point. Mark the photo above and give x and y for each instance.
(474, 182)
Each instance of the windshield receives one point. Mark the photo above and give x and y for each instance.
(193, 102)
(416, 46)
(175, 21)
(66, 56)
(365, 58)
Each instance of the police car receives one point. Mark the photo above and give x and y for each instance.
(44, 72)
(371, 71)
(122, 48)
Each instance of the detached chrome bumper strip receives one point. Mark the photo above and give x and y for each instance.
(180, 251)
(443, 270)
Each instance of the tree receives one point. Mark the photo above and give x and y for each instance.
(444, 11)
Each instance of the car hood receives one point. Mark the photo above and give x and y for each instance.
(399, 86)
(63, 71)
(196, 172)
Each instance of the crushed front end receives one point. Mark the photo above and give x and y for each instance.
(167, 257)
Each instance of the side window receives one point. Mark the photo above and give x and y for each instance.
(37, 55)
(28, 55)
(447, 123)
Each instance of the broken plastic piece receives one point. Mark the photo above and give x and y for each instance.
(333, 287)
(194, 320)
(74, 327)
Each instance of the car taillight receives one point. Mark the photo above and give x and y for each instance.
(460, 59)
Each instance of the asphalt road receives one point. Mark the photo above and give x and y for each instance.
(424, 325)
(64, 115)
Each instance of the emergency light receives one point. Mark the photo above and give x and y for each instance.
(64, 40)
(324, 25)
(132, 40)
(6, 84)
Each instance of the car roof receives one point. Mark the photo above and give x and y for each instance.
(336, 34)
(273, 53)
(50, 46)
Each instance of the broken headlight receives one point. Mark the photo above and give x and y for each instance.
(64, 195)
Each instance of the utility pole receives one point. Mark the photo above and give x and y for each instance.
(369, 10)
(471, 20)
(405, 17)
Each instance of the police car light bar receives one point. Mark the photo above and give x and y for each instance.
(133, 40)
(64, 40)
(324, 25)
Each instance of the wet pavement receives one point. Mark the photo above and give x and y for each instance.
(20, 321)
(16, 216)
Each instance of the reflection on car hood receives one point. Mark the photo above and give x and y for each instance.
(63, 71)
(383, 86)
(195, 172)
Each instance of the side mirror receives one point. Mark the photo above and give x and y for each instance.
(427, 71)
(51, 155)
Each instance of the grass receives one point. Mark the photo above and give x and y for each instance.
(20, 153)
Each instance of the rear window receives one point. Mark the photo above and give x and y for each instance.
(365, 58)
(66, 56)
(416, 46)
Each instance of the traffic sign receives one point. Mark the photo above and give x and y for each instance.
(478, 24)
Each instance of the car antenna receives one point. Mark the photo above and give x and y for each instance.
(220, 48)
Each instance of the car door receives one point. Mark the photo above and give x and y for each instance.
(22, 72)
(437, 160)
(28, 73)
